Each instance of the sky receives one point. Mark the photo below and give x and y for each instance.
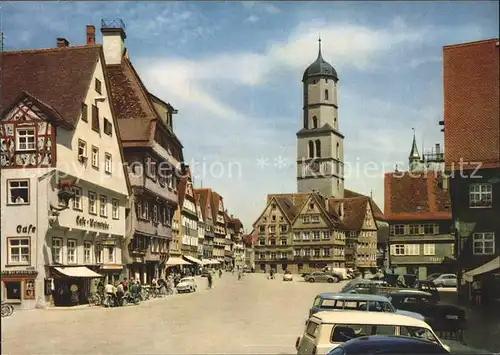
(234, 71)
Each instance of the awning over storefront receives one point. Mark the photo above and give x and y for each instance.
(214, 262)
(489, 266)
(193, 259)
(77, 271)
(176, 261)
(206, 261)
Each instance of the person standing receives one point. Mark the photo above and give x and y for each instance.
(120, 292)
(476, 292)
(220, 273)
(209, 278)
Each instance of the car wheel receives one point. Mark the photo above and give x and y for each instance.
(311, 280)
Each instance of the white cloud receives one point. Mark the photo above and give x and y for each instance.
(252, 18)
(211, 129)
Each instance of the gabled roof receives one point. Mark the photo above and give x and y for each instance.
(379, 215)
(59, 77)
(292, 204)
(47, 112)
(204, 196)
(471, 80)
(415, 197)
(354, 210)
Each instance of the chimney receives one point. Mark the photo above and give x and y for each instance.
(62, 42)
(90, 34)
(341, 211)
(438, 148)
(232, 216)
(113, 37)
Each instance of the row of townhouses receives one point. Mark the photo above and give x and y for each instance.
(93, 180)
(440, 216)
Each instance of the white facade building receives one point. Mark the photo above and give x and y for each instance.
(59, 135)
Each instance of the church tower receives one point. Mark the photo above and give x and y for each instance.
(320, 145)
(414, 157)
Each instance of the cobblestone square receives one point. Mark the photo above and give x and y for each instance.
(249, 316)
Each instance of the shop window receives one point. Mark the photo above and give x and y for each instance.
(13, 290)
(29, 289)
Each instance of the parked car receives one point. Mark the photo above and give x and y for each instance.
(330, 301)
(186, 284)
(287, 276)
(247, 270)
(433, 276)
(388, 344)
(446, 280)
(442, 317)
(320, 276)
(327, 330)
(364, 286)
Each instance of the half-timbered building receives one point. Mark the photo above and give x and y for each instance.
(65, 194)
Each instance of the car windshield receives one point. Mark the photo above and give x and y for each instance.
(186, 280)
(344, 332)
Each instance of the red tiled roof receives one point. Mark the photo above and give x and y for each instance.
(379, 215)
(204, 195)
(137, 118)
(471, 76)
(60, 77)
(354, 211)
(412, 196)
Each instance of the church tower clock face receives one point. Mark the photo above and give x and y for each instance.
(320, 145)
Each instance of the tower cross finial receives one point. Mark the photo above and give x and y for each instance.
(319, 44)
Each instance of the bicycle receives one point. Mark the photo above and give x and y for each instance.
(95, 299)
(7, 309)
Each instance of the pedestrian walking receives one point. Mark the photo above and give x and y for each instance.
(220, 273)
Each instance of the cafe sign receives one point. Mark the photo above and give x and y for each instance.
(91, 223)
(25, 229)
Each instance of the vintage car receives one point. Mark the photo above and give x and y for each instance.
(381, 287)
(327, 330)
(320, 276)
(446, 319)
(186, 284)
(287, 276)
(330, 301)
(388, 344)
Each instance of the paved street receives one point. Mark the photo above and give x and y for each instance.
(251, 316)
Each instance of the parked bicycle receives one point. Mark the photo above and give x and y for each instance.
(95, 299)
(7, 309)
(129, 298)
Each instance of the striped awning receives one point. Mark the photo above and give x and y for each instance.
(214, 262)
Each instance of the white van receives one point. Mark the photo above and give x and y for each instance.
(326, 330)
